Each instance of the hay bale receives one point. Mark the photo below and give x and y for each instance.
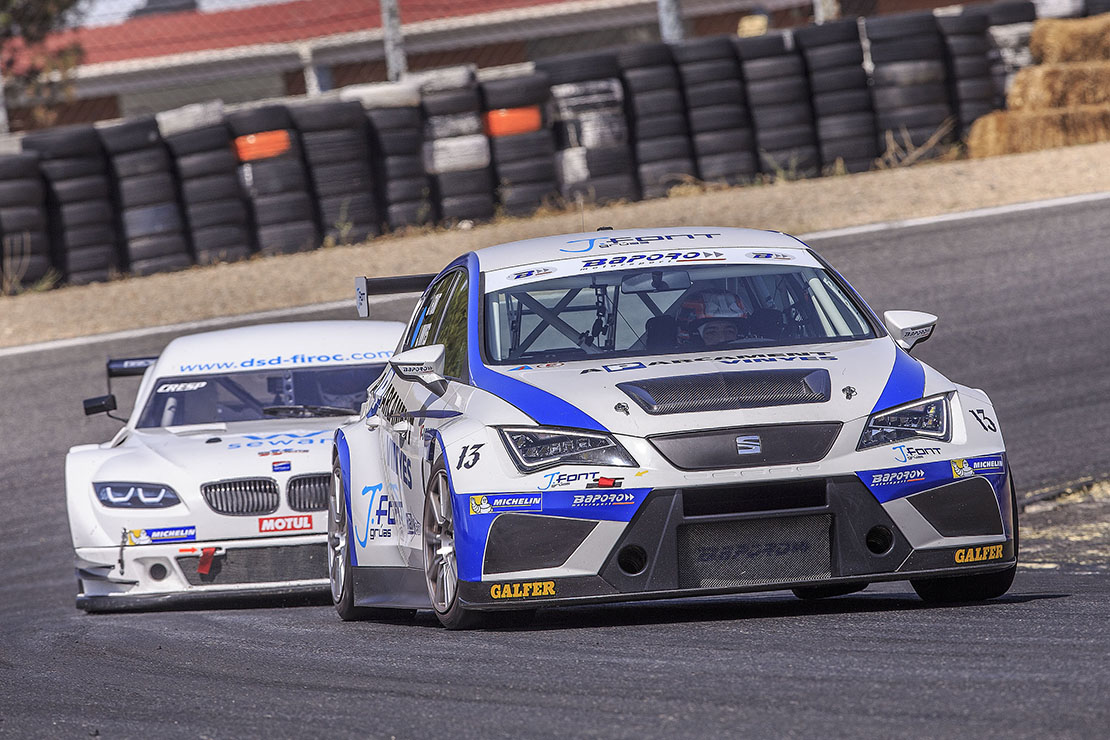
(1060, 86)
(1010, 132)
(1071, 40)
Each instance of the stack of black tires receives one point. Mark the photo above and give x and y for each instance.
(80, 210)
(522, 143)
(778, 98)
(24, 244)
(456, 150)
(335, 139)
(841, 100)
(150, 219)
(594, 159)
(1010, 24)
(971, 88)
(215, 210)
(716, 109)
(910, 88)
(656, 112)
(273, 176)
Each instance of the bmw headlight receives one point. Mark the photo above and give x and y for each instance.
(534, 448)
(136, 495)
(925, 418)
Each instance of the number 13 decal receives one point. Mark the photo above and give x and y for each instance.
(469, 456)
(984, 421)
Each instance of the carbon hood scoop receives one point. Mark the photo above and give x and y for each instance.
(727, 391)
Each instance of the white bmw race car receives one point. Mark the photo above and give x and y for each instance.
(657, 413)
(218, 482)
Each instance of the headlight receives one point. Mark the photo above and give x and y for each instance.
(534, 448)
(925, 418)
(136, 495)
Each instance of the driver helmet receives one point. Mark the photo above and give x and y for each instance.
(713, 312)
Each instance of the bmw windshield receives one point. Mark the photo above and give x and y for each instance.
(258, 394)
(668, 309)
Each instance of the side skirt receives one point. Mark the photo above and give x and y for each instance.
(397, 587)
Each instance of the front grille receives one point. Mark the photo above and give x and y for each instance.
(308, 492)
(243, 496)
(754, 551)
(745, 447)
(260, 565)
(729, 391)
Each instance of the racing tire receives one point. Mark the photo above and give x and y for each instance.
(980, 587)
(441, 570)
(813, 593)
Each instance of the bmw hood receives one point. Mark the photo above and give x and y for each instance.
(837, 381)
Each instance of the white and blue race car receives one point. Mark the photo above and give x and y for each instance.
(217, 484)
(658, 413)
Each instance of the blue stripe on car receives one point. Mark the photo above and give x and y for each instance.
(544, 407)
(906, 382)
(344, 454)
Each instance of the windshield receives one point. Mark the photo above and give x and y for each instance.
(259, 394)
(665, 310)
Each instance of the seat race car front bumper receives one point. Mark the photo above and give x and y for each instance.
(735, 539)
(170, 574)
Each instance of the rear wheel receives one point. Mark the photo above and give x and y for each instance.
(441, 569)
(972, 588)
(339, 557)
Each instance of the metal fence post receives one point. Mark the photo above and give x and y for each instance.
(395, 64)
(670, 21)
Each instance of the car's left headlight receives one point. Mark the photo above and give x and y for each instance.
(925, 418)
(136, 495)
(535, 448)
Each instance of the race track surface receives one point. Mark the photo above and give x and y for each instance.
(1023, 312)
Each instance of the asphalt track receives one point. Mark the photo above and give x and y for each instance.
(1023, 314)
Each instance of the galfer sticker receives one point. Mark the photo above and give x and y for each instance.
(653, 258)
(181, 387)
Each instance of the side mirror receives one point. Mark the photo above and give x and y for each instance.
(909, 328)
(423, 365)
(100, 404)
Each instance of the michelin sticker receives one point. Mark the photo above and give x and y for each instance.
(159, 536)
(493, 503)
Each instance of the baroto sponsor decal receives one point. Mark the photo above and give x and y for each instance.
(753, 358)
(493, 503)
(283, 439)
(522, 590)
(727, 553)
(181, 387)
(158, 536)
(603, 499)
(603, 242)
(270, 524)
(978, 554)
(653, 258)
(895, 477)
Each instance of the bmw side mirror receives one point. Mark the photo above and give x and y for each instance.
(100, 404)
(909, 328)
(423, 365)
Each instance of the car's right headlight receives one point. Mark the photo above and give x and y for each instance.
(535, 448)
(925, 418)
(136, 495)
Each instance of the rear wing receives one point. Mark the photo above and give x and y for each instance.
(129, 366)
(366, 287)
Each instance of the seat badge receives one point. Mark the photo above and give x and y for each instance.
(748, 445)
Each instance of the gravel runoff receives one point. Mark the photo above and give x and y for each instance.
(326, 275)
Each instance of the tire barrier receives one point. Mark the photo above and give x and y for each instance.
(522, 144)
(24, 244)
(842, 108)
(201, 185)
(779, 102)
(146, 192)
(656, 111)
(594, 159)
(717, 110)
(80, 210)
(273, 176)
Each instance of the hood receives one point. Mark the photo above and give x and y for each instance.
(277, 449)
(862, 377)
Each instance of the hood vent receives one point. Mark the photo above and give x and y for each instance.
(728, 391)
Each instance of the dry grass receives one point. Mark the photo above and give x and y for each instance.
(1060, 86)
(1010, 132)
(328, 274)
(1056, 40)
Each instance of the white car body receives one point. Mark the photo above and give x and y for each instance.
(923, 510)
(133, 556)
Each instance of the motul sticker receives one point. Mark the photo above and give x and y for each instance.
(299, 523)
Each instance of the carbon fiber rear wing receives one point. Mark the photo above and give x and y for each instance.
(366, 287)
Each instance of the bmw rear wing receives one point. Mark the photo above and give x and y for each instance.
(367, 286)
(129, 366)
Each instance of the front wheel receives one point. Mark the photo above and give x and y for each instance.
(441, 570)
